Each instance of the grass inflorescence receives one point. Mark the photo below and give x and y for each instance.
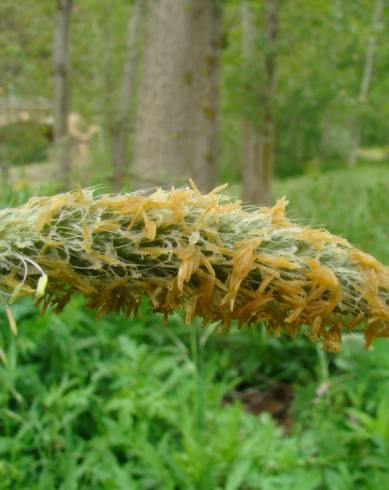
(203, 253)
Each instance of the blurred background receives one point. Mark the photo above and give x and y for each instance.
(275, 97)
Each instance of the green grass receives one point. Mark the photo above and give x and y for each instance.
(353, 204)
(130, 404)
(35, 137)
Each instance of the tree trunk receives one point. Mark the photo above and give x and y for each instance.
(365, 82)
(61, 89)
(258, 135)
(207, 30)
(249, 131)
(176, 127)
(120, 128)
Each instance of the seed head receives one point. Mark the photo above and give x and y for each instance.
(203, 253)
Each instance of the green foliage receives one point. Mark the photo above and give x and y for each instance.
(84, 405)
(120, 404)
(320, 60)
(35, 138)
(25, 41)
(351, 204)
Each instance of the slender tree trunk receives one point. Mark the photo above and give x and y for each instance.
(258, 136)
(207, 17)
(250, 137)
(120, 128)
(176, 127)
(366, 78)
(266, 141)
(61, 89)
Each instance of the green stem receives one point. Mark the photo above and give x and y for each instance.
(197, 357)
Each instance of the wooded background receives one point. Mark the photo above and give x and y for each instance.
(216, 90)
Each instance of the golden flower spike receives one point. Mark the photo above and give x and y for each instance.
(204, 253)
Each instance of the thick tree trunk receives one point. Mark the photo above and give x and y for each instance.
(258, 136)
(61, 89)
(176, 127)
(120, 128)
(366, 78)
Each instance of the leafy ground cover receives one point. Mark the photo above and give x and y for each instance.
(134, 404)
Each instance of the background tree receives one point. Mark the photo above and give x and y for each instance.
(61, 88)
(366, 78)
(177, 116)
(258, 133)
(206, 25)
(121, 120)
(249, 130)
